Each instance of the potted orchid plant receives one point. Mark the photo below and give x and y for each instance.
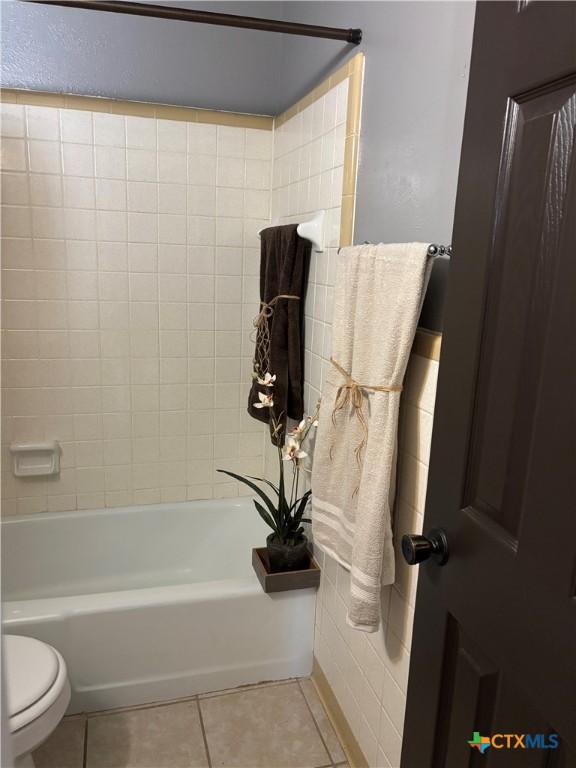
(283, 509)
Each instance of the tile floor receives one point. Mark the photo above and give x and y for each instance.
(275, 725)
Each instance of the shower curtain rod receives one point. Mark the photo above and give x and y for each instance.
(353, 36)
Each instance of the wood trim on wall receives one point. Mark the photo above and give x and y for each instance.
(354, 754)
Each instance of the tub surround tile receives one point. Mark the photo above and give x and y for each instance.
(111, 282)
(161, 737)
(269, 727)
(65, 747)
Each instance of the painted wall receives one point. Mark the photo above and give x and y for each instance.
(416, 77)
(130, 57)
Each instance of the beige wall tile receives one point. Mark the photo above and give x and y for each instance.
(109, 291)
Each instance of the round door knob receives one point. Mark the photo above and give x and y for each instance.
(417, 548)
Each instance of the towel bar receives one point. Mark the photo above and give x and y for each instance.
(312, 230)
(439, 250)
(433, 249)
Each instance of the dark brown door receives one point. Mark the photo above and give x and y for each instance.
(494, 648)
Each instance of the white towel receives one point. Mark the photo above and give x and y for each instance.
(378, 297)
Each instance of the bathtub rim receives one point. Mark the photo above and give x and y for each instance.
(48, 608)
(196, 505)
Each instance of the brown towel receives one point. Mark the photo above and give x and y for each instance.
(284, 264)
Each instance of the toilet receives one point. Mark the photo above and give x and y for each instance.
(38, 693)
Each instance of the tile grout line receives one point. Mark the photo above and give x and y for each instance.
(244, 688)
(85, 750)
(179, 700)
(203, 732)
(138, 707)
(315, 723)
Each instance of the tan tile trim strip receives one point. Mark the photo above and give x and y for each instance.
(351, 149)
(354, 70)
(337, 718)
(351, 67)
(139, 108)
(427, 344)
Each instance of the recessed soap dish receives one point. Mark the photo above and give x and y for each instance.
(35, 459)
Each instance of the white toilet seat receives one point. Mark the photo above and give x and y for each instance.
(38, 691)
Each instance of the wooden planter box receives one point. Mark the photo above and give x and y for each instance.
(281, 582)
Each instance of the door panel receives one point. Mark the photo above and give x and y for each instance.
(494, 646)
(538, 152)
(467, 694)
(539, 159)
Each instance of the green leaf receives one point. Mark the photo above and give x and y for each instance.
(265, 516)
(302, 506)
(283, 509)
(263, 480)
(269, 503)
(298, 514)
(294, 535)
(305, 497)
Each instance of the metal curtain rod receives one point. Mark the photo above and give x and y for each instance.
(353, 36)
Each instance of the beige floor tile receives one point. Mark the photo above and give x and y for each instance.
(160, 737)
(328, 734)
(267, 727)
(65, 747)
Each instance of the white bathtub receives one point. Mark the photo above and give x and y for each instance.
(153, 603)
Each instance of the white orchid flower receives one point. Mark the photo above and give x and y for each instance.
(292, 451)
(298, 431)
(268, 380)
(266, 401)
